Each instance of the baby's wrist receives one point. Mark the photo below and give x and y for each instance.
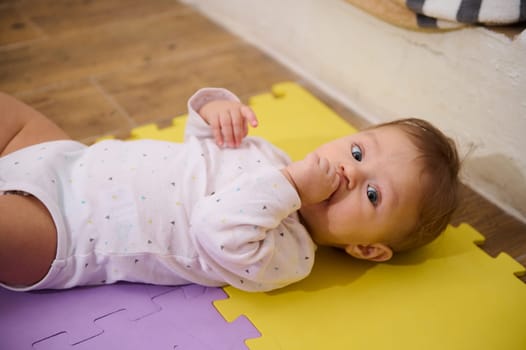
(290, 179)
(206, 95)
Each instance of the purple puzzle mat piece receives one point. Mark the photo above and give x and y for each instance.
(27, 318)
(127, 316)
(187, 320)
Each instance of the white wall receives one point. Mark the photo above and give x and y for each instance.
(471, 83)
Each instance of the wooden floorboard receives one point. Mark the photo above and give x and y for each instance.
(105, 67)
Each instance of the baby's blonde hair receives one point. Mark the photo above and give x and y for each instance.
(440, 166)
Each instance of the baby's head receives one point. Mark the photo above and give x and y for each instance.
(440, 164)
(398, 189)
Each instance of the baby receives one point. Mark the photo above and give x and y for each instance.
(220, 208)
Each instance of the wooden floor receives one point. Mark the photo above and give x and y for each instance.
(104, 67)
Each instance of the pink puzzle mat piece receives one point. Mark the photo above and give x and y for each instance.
(127, 316)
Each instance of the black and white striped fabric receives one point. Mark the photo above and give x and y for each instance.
(453, 13)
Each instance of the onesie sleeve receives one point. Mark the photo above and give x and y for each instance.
(196, 126)
(250, 235)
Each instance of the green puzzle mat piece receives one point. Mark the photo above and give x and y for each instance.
(448, 295)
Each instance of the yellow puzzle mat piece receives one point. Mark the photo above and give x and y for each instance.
(448, 295)
(289, 117)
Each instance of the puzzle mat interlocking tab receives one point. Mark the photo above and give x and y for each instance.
(449, 295)
(121, 316)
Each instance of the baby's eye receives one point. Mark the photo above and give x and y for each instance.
(356, 152)
(372, 195)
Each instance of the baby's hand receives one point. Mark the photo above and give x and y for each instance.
(315, 178)
(228, 120)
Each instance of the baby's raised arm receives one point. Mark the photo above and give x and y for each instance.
(314, 178)
(228, 120)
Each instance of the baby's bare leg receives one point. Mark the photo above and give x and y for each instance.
(22, 126)
(28, 240)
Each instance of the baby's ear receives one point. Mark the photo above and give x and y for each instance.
(373, 252)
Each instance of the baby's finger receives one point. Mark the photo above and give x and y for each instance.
(216, 129)
(336, 181)
(238, 126)
(226, 129)
(250, 116)
(331, 172)
(245, 129)
(312, 158)
(324, 165)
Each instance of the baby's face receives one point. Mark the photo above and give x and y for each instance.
(379, 190)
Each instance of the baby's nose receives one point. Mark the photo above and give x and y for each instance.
(350, 173)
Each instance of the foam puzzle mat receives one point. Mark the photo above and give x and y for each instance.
(448, 295)
(120, 316)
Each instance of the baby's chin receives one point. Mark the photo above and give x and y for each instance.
(313, 218)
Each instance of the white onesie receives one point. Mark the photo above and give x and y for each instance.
(167, 213)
